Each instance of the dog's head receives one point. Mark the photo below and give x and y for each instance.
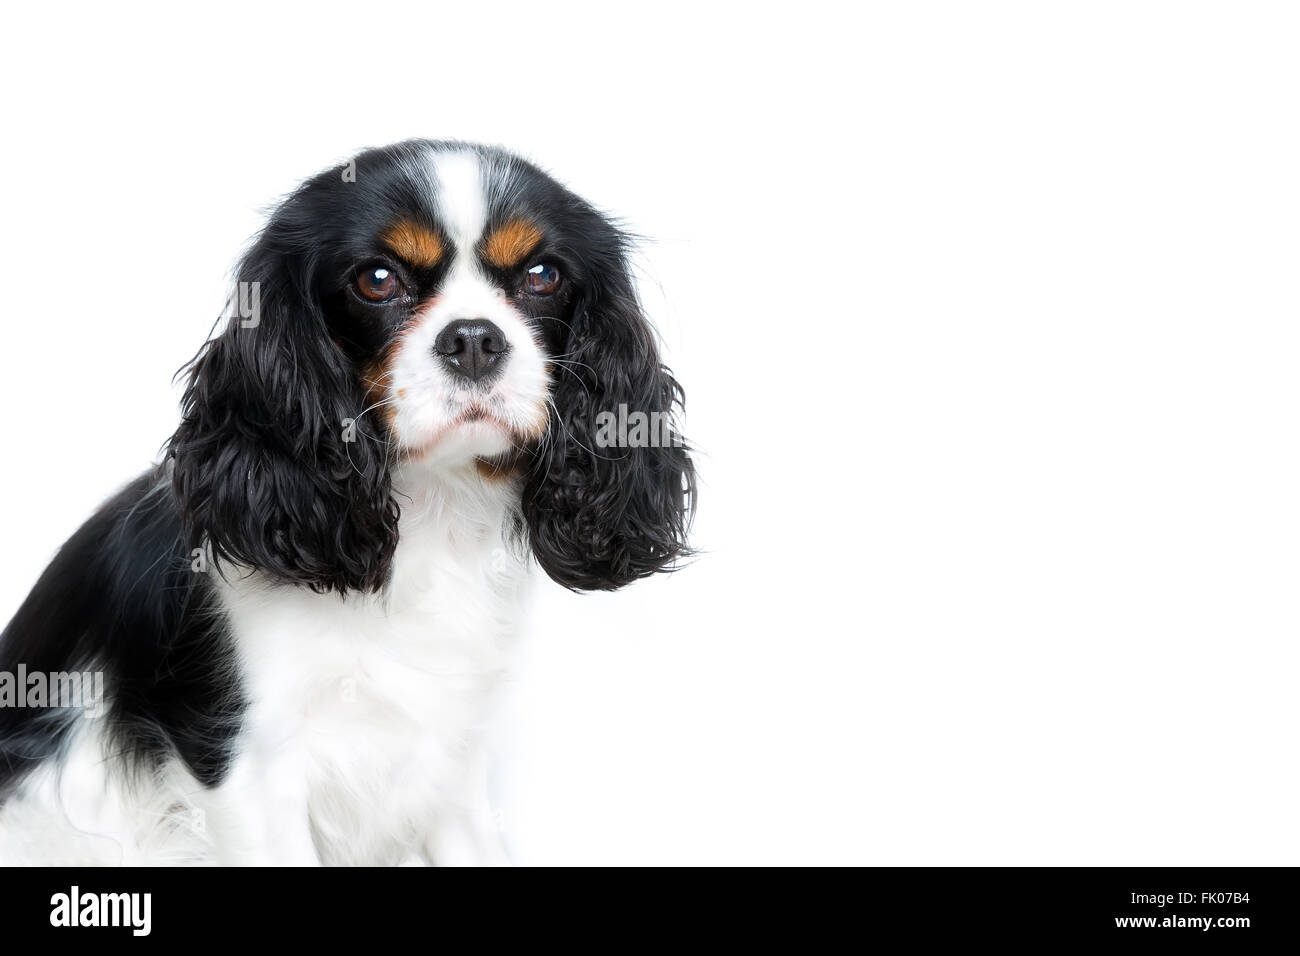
(442, 303)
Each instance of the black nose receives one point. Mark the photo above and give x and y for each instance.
(473, 348)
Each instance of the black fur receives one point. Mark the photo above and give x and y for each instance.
(122, 597)
(262, 470)
(599, 518)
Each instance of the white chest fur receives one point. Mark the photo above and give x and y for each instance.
(363, 713)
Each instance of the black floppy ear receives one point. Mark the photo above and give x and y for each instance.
(601, 514)
(270, 465)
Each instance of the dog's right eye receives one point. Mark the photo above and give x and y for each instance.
(378, 284)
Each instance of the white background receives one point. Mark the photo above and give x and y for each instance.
(987, 316)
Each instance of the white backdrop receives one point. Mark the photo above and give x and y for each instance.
(987, 316)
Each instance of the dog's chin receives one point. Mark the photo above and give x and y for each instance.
(472, 436)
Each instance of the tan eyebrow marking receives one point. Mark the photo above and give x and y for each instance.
(507, 245)
(417, 244)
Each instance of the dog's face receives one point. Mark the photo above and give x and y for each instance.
(452, 276)
(440, 303)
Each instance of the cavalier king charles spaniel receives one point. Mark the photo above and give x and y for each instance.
(294, 623)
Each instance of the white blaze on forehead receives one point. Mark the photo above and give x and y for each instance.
(461, 205)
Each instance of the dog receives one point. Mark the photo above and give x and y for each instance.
(299, 615)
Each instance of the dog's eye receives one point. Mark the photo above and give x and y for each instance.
(542, 279)
(378, 284)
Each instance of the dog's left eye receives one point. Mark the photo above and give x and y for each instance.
(378, 284)
(542, 279)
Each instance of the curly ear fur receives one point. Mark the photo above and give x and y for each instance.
(260, 465)
(599, 518)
